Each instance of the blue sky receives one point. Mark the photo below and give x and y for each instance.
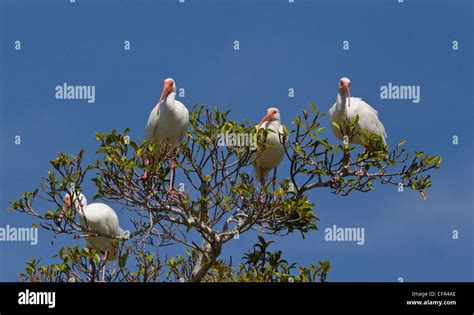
(282, 46)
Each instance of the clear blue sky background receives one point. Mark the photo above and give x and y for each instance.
(282, 46)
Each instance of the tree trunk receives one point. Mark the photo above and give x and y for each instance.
(205, 261)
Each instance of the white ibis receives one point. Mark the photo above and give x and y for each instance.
(347, 108)
(270, 157)
(97, 217)
(167, 124)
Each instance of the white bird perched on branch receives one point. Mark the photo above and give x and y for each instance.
(166, 126)
(271, 156)
(97, 218)
(348, 108)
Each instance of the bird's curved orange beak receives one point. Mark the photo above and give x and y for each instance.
(267, 117)
(345, 86)
(167, 89)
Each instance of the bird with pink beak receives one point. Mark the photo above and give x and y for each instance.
(166, 126)
(96, 218)
(348, 108)
(271, 156)
(344, 95)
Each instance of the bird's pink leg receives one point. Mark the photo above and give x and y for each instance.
(172, 192)
(172, 166)
(106, 254)
(344, 171)
(274, 184)
(146, 161)
(361, 172)
(261, 181)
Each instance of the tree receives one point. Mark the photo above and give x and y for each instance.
(220, 200)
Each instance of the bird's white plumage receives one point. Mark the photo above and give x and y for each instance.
(269, 158)
(101, 218)
(368, 118)
(167, 123)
